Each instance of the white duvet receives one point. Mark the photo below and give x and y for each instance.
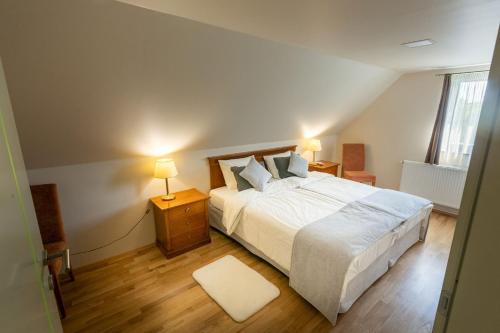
(269, 220)
(294, 201)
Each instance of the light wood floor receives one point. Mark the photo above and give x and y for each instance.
(144, 292)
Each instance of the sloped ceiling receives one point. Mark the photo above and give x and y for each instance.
(369, 31)
(100, 80)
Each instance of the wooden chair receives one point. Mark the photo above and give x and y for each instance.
(353, 163)
(50, 222)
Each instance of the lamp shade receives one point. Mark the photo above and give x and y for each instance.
(314, 145)
(165, 168)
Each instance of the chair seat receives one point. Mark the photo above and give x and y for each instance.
(360, 176)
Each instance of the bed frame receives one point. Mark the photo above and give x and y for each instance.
(216, 177)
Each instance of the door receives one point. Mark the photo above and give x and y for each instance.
(26, 302)
(470, 300)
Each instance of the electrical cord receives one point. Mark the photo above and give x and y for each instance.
(115, 240)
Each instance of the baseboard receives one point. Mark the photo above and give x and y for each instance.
(445, 210)
(110, 260)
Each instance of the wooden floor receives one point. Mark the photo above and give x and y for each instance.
(144, 292)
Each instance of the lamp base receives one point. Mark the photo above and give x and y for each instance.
(168, 197)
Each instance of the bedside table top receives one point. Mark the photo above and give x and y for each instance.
(181, 198)
(325, 165)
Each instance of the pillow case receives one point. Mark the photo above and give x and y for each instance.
(298, 165)
(282, 164)
(256, 175)
(269, 159)
(241, 183)
(225, 166)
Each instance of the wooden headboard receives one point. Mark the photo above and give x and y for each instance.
(216, 177)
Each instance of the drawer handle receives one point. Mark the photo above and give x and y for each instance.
(187, 210)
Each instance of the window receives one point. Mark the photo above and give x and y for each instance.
(465, 100)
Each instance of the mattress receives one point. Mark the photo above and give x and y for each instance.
(268, 230)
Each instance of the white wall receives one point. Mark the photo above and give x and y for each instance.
(397, 125)
(102, 201)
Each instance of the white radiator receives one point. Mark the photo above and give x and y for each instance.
(440, 184)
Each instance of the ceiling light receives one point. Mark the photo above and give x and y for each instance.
(419, 43)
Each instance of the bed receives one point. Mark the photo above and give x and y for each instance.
(268, 224)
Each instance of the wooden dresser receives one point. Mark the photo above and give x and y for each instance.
(325, 166)
(182, 223)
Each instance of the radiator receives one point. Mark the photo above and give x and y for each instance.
(442, 185)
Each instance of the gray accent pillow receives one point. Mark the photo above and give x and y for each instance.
(282, 164)
(269, 159)
(298, 165)
(256, 175)
(241, 183)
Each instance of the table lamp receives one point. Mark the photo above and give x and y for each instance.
(165, 169)
(314, 146)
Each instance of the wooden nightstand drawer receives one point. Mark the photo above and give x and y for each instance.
(182, 219)
(186, 211)
(182, 223)
(198, 221)
(178, 227)
(186, 239)
(181, 241)
(199, 234)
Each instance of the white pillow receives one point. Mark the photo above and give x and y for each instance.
(298, 165)
(256, 175)
(226, 165)
(270, 163)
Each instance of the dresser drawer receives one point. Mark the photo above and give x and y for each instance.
(188, 238)
(185, 224)
(198, 221)
(183, 219)
(183, 212)
(199, 234)
(177, 227)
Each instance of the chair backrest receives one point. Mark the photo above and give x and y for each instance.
(48, 212)
(353, 157)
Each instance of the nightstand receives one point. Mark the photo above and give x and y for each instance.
(325, 166)
(181, 224)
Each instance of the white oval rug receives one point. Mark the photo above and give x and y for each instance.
(237, 288)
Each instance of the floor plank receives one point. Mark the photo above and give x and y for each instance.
(142, 291)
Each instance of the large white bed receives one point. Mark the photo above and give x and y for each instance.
(267, 223)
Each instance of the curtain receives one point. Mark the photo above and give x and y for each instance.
(434, 150)
(465, 100)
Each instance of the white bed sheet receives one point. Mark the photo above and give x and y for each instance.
(219, 195)
(271, 220)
